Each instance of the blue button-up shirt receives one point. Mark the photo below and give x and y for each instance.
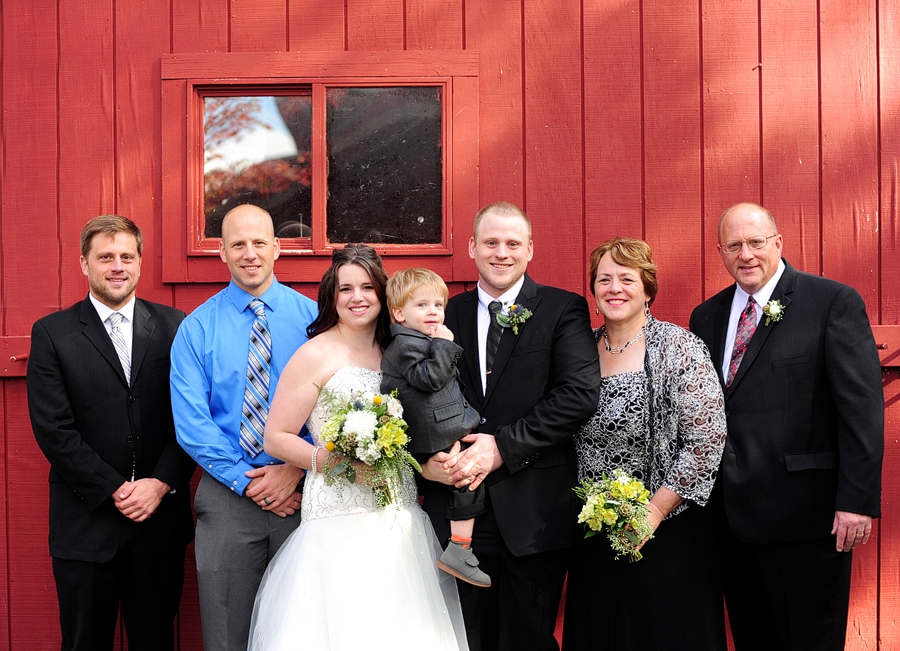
(209, 372)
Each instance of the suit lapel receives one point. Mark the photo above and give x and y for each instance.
(96, 333)
(142, 331)
(528, 298)
(760, 336)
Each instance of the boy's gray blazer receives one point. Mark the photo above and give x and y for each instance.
(423, 370)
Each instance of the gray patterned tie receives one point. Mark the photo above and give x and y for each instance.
(118, 339)
(256, 392)
(493, 337)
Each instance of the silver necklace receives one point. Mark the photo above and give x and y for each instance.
(620, 349)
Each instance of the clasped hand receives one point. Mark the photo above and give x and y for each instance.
(467, 468)
(274, 488)
(138, 500)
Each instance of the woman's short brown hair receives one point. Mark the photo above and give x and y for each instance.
(632, 253)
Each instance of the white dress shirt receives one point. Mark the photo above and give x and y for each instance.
(739, 304)
(484, 320)
(126, 327)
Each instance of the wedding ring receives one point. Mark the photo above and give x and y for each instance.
(266, 500)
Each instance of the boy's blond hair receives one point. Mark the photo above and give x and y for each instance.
(404, 283)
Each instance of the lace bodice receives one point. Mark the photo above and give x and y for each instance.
(617, 434)
(323, 501)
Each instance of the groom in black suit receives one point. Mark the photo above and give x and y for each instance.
(533, 390)
(98, 395)
(801, 473)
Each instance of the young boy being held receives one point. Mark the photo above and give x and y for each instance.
(420, 363)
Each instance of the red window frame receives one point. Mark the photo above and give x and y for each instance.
(189, 256)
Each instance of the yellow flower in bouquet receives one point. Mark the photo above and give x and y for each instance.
(616, 505)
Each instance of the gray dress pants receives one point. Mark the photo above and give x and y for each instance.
(234, 543)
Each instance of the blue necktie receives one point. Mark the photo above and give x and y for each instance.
(256, 393)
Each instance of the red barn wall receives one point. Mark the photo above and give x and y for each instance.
(642, 118)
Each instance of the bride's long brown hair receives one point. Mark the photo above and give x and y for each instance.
(367, 258)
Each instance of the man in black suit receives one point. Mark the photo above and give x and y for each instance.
(801, 474)
(98, 395)
(533, 390)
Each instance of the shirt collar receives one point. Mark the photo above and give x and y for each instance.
(506, 298)
(242, 299)
(103, 311)
(763, 295)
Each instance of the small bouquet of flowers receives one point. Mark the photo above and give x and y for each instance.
(616, 505)
(368, 428)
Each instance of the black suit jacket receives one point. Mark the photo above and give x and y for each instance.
(805, 412)
(94, 428)
(545, 383)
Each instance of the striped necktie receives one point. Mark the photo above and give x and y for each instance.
(118, 339)
(493, 337)
(256, 392)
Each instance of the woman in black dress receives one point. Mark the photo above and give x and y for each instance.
(661, 419)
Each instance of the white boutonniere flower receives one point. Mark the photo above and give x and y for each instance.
(774, 311)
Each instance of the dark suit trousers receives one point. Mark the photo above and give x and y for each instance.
(148, 587)
(786, 597)
(518, 612)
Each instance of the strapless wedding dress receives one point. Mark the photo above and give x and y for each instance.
(354, 576)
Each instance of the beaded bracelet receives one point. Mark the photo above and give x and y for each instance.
(312, 465)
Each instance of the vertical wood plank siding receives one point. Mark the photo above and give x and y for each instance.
(642, 118)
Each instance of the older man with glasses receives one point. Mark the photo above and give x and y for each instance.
(801, 474)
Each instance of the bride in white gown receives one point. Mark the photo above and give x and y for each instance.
(352, 576)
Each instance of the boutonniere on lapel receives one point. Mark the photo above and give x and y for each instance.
(515, 316)
(774, 311)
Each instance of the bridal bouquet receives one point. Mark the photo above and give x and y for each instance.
(616, 505)
(368, 428)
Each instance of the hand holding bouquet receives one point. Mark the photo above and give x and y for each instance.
(367, 429)
(617, 505)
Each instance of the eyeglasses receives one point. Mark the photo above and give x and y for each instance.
(736, 245)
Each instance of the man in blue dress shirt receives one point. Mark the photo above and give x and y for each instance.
(226, 360)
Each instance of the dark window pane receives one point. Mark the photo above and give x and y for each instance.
(257, 150)
(385, 177)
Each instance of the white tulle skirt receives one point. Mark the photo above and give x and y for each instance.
(361, 581)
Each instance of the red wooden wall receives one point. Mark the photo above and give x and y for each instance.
(600, 117)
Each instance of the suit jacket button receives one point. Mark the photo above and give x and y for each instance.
(129, 439)
(131, 398)
(483, 421)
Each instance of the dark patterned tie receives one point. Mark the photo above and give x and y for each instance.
(256, 393)
(746, 328)
(493, 337)
(118, 339)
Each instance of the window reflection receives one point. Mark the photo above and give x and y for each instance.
(385, 177)
(257, 150)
